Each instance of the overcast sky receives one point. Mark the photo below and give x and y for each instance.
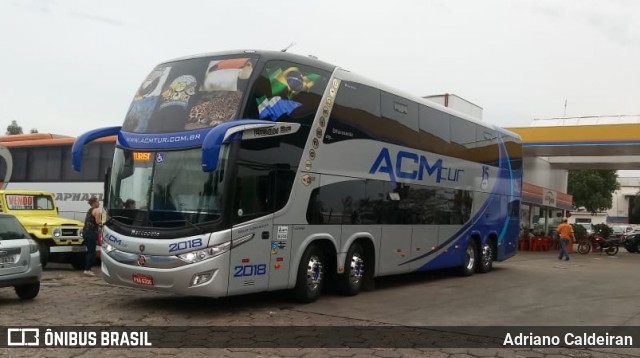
(70, 66)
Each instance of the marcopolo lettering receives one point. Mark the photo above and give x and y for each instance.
(404, 160)
(260, 132)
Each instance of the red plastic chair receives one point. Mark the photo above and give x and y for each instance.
(523, 244)
(540, 244)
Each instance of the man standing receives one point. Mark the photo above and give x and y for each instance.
(92, 223)
(565, 231)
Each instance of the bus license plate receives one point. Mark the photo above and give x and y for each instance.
(142, 279)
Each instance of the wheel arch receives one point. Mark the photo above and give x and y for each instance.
(327, 244)
(368, 243)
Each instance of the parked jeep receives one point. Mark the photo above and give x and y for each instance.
(19, 259)
(59, 239)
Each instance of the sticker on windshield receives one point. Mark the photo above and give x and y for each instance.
(145, 101)
(275, 107)
(152, 85)
(213, 108)
(179, 92)
(291, 81)
(225, 75)
(160, 157)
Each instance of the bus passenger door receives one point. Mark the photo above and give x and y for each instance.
(250, 255)
(252, 230)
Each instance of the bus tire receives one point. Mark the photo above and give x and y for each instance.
(44, 252)
(351, 280)
(310, 277)
(470, 259)
(486, 259)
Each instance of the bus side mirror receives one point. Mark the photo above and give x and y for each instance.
(227, 132)
(82, 140)
(105, 188)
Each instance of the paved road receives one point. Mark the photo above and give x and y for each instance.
(530, 289)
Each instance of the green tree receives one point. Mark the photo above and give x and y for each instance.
(33, 130)
(14, 128)
(593, 189)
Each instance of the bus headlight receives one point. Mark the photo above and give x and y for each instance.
(107, 248)
(57, 232)
(204, 254)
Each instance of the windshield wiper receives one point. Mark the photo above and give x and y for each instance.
(186, 221)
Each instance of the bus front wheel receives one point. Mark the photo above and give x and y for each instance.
(350, 282)
(470, 259)
(310, 277)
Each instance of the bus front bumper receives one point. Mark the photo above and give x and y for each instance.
(207, 278)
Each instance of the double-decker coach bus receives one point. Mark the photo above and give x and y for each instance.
(42, 161)
(251, 171)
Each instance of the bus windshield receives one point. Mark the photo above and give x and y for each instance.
(189, 94)
(164, 189)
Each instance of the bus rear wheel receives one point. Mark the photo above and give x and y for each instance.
(310, 277)
(470, 259)
(351, 281)
(486, 259)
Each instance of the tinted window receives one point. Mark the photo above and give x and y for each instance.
(462, 132)
(11, 229)
(20, 163)
(287, 92)
(363, 112)
(400, 110)
(297, 102)
(435, 131)
(346, 203)
(514, 150)
(487, 151)
(337, 203)
(266, 170)
(44, 164)
(53, 163)
(97, 157)
(514, 209)
(355, 114)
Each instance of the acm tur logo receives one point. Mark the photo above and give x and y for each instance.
(384, 164)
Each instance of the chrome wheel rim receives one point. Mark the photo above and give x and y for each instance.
(356, 269)
(486, 255)
(314, 273)
(471, 258)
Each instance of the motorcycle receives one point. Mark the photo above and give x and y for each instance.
(597, 243)
(631, 241)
